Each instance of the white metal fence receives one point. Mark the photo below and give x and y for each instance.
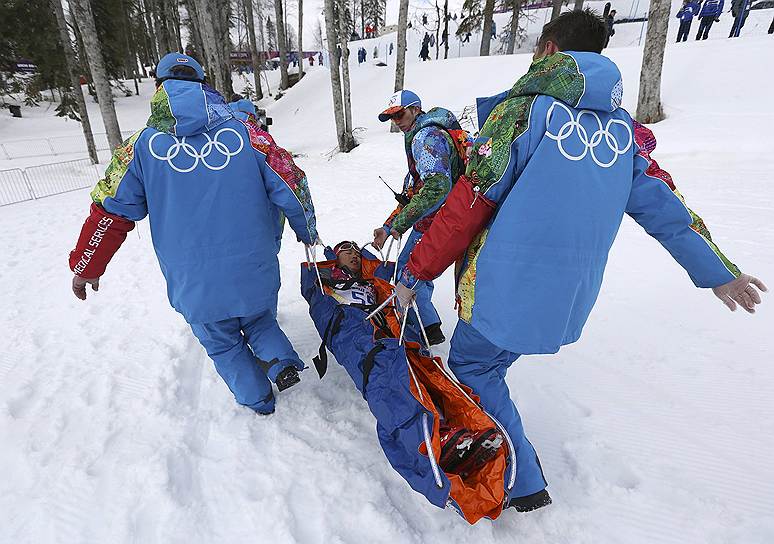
(55, 145)
(21, 184)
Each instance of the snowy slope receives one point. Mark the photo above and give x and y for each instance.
(656, 427)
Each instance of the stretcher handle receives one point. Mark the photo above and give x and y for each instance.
(421, 327)
(380, 307)
(311, 257)
(381, 255)
(397, 256)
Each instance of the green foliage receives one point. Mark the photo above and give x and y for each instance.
(68, 107)
(474, 17)
(28, 31)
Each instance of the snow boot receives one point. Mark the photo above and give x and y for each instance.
(264, 407)
(435, 334)
(530, 502)
(287, 378)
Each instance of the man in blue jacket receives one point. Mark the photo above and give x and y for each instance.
(686, 13)
(709, 14)
(208, 183)
(555, 167)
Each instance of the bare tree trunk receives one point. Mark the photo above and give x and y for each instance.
(400, 56)
(345, 140)
(486, 35)
(649, 108)
(256, 61)
(75, 80)
(85, 19)
(282, 44)
(147, 23)
(514, 27)
(556, 9)
(446, 29)
(578, 5)
(210, 26)
(196, 34)
(223, 39)
(344, 37)
(300, 39)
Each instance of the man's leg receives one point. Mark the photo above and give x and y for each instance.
(269, 343)
(482, 366)
(424, 289)
(236, 363)
(710, 21)
(702, 24)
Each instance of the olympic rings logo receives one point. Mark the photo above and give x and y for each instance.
(197, 155)
(573, 125)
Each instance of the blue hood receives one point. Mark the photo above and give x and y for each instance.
(185, 108)
(580, 79)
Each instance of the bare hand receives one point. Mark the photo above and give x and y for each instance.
(741, 291)
(405, 296)
(395, 234)
(380, 235)
(79, 286)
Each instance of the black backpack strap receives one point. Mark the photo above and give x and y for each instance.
(368, 365)
(321, 359)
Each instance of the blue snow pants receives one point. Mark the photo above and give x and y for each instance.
(424, 289)
(248, 352)
(482, 366)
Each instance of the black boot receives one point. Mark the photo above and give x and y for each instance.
(435, 334)
(287, 378)
(530, 502)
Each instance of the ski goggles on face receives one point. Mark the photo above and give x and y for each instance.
(345, 246)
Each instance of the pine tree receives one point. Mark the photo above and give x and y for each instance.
(474, 16)
(271, 35)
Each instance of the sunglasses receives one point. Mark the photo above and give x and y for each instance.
(346, 246)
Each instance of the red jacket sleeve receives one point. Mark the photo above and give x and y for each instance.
(462, 217)
(101, 236)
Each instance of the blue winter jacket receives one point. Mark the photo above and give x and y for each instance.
(207, 182)
(712, 8)
(688, 11)
(557, 159)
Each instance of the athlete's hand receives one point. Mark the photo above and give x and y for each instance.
(79, 286)
(741, 291)
(380, 235)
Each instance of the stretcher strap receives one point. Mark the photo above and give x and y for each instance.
(321, 359)
(368, 365)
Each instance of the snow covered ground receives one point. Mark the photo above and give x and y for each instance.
(657, 426)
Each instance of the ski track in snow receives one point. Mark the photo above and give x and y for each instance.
(655, 427)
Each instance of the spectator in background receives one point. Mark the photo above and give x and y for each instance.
(710, 13)
(686, 13)
(391, 46)
(424, 52)
(319, 58)
(740, 9)
(609, 22)
(494, 29)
